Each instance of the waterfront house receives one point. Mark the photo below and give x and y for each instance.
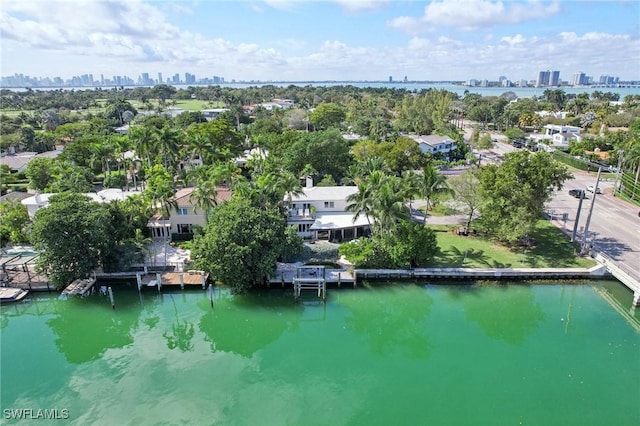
(184, 216)
(319, 213)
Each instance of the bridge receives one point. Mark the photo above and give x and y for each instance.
(628, 277)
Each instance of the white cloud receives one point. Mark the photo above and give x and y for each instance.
(355, 6)
(516, 39)
(134, 37)
(469, 15)
(284, 5)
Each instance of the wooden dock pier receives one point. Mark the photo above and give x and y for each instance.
(173, 279)
(80, 287)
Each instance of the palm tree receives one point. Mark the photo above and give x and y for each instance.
(388, 205)
(168, 141)
(145, 141)
(431, 182)
(360, 203)
(290, 185)
(200, 145)
(204, 192)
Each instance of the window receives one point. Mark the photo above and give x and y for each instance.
(182, 211)
(328, 204)
(184, 228)
(304, 227)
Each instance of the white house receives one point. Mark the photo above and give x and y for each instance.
(38, 201)
(212, 113)
(558, 135)
(434, 144)
(250, 154)
(319, 213)
(552, 129)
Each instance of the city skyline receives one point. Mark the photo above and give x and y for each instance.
(544, 79)
(346, 40)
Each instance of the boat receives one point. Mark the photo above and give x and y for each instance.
(10, 295)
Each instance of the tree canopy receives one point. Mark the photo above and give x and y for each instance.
(71, 235)
(241, 244)
(515, 192)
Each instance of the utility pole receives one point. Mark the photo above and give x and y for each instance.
(575, 224)
(593, 201)
(615, 183)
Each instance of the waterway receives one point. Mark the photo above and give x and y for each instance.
(460, 90)
(394, 354)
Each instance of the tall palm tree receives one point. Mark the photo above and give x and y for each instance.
(199, 145)
(290, 185)
(431, 182)
(169, 144)
(388, 205)
(360, 203)
(145, 141)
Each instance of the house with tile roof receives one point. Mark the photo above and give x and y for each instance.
(185, 216)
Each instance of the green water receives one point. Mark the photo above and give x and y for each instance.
(394, 355)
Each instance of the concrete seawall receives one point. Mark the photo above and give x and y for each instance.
(482, 274)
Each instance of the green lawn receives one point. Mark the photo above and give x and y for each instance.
(553, 249)
(198, 105)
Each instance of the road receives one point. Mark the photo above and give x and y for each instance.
(614, 227)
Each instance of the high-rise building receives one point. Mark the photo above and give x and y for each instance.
(555, 78)
(189, 78)
(578, 79)
(390, 79)
(543, 78)
(160, 78)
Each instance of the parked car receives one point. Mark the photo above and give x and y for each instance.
(592, 188)
(577, 193)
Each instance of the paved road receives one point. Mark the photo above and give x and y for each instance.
(614, 227)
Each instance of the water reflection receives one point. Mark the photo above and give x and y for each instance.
(507, 313)
(245, 324)
(390, 319)
(181, 331)
(86, 327)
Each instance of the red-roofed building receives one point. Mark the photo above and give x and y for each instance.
(180, 225)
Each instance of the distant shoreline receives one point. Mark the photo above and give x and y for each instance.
(454, 86)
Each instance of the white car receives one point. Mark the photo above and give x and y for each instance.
(592, 188)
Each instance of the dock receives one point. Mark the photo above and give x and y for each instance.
(11, 295)
(286, 273)
(173, 279)
(310, 278)
(80, 287)
(19, 271)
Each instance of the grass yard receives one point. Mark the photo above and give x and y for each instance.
(553, 249)
(198, 105)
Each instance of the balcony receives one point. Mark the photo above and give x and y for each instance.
(302, 214)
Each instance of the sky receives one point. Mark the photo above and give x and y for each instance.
(289, 40)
